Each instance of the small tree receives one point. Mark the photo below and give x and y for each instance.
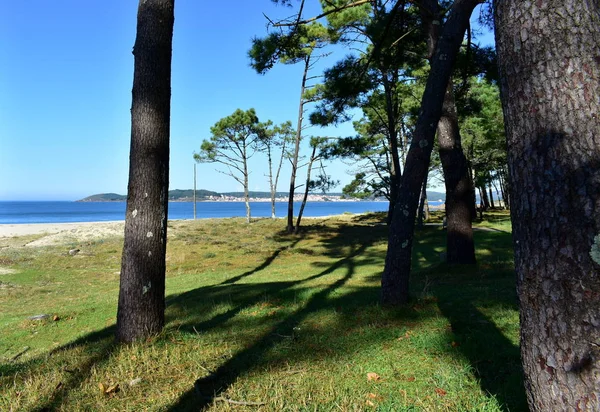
(296, 46)
(274, 141)
(233, 142)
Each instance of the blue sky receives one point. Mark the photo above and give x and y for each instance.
(66, 73)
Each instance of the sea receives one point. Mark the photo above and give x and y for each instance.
(23, 212)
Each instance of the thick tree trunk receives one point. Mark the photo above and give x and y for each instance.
(395, 278)
(460, 192)
(290, 214)
(460, 247)
(142, 288)
(492, 205)
(549, 58)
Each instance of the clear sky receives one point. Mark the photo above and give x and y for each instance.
(66, 72)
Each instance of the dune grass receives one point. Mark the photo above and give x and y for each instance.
(289, 322)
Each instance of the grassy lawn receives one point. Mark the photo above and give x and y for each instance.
(258, 316)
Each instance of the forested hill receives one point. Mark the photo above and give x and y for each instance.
(176, 194)
(188, 195)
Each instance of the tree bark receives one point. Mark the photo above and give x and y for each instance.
(549, 59)
(395, 277)
(460, 194)
(460, 246)
(141, 306)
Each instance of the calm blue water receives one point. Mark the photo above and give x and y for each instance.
(58, 212)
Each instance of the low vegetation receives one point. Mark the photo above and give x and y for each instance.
(269, 320)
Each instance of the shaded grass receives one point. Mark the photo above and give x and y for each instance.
(257, 315)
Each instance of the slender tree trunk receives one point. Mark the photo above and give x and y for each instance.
(194, 191)
(471, 172)
(246, 192)
(422, 203)
(504, 189)
(306, 189)
(142, 288)
(549, 60)
(460, 247)
(395, 171)
(271, 183)
(485, 201)
(290, 214)
(492, 205)
(495, 186)
(395, 278)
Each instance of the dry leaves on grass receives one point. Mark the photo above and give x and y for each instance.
(372, 376)
(108, 389)
(373, 397)
(407, 335)
(440, 391)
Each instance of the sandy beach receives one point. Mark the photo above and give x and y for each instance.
(56, 233)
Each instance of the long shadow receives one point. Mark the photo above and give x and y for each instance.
(207, 388)
(248, 294)
(494, 358)
(104, 347)
(262, 266)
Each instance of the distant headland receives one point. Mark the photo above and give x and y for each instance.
(202, 195)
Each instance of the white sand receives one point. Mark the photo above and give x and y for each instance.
(57, 233)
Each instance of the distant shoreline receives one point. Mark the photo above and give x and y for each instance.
(237, 199)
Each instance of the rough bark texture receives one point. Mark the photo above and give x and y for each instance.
(460, 194)
(460, 247)
(395, 278)
(142, 288)
(549, 56)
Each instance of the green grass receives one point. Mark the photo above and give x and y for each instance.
(256, 315)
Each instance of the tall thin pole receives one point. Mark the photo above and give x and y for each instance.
(194, 191)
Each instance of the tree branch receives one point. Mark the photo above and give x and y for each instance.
(324, 14)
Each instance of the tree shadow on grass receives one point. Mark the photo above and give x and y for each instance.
(101, 345)
(207, 388)
(462, 293)
(262, 266)
(348, 247)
